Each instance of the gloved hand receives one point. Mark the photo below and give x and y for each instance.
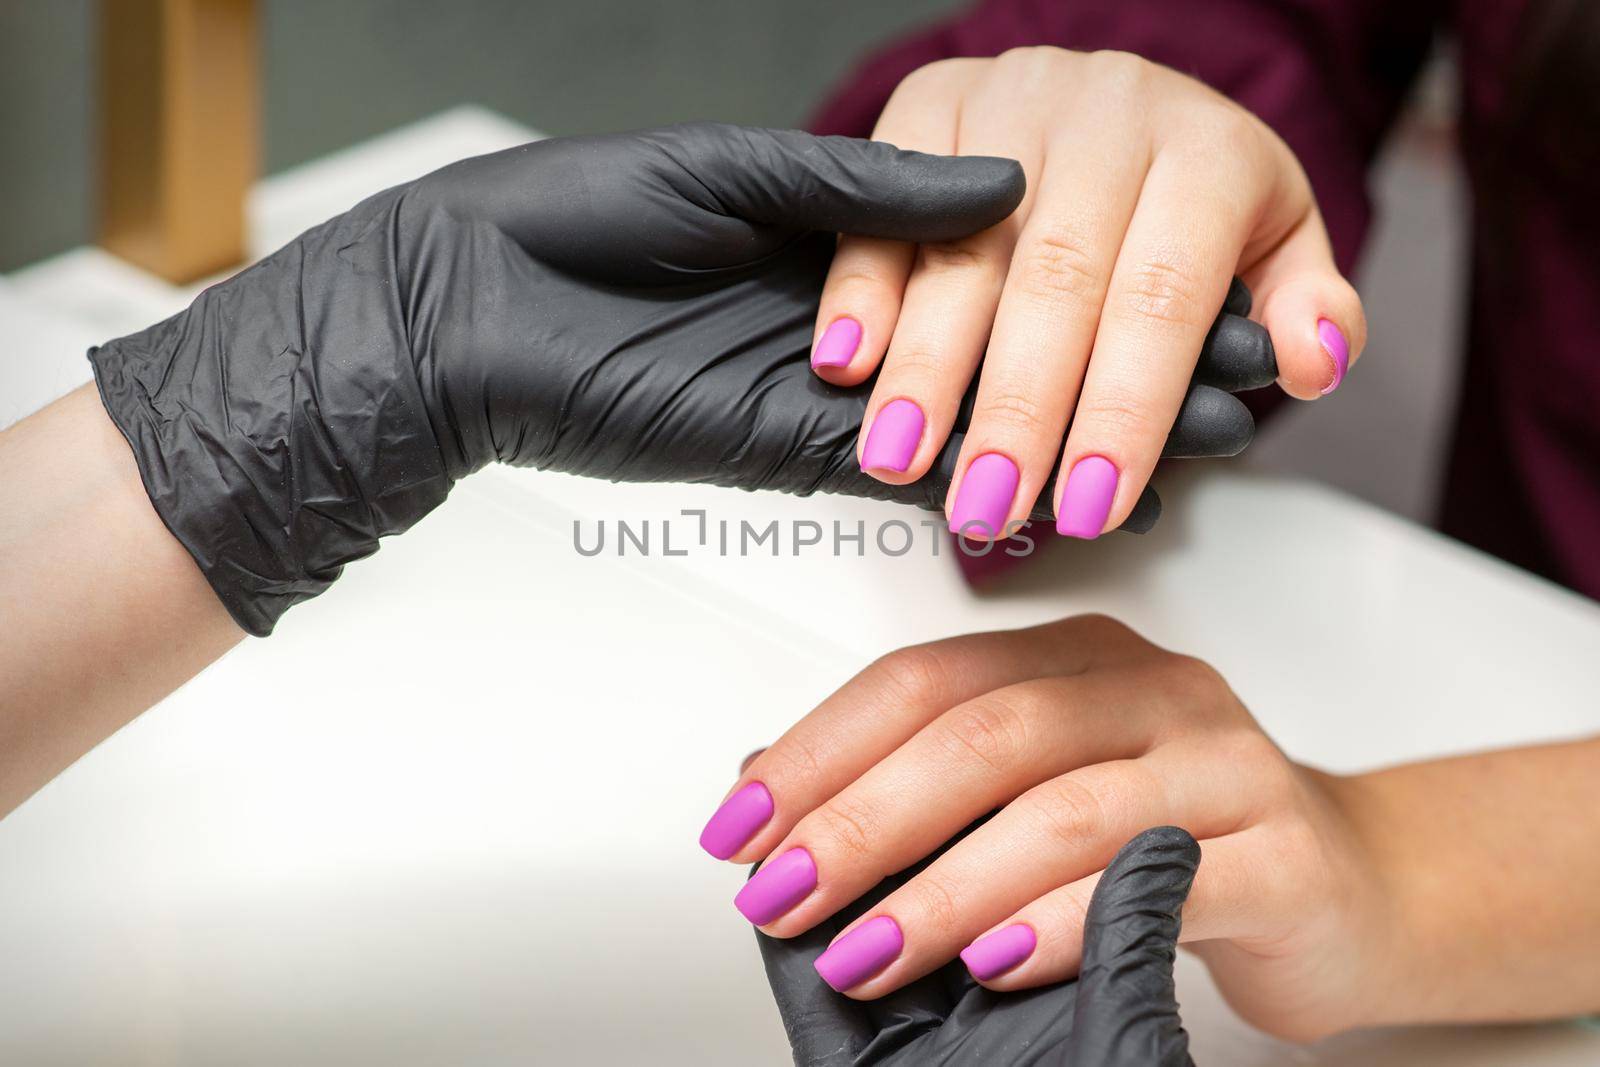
(636, 307)
(1120, 1012)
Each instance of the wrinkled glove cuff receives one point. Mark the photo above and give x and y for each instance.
(273, 461)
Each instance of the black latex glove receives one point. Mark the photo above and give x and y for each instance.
(1121, 1012)
(636, 307)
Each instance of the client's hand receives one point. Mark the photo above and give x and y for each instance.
(1147, 191)
(634, 307)
(1121, 1013)
(1082, 734)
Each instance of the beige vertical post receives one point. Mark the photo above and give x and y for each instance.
(179, 132)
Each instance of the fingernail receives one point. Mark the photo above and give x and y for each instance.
(1338, 350)
(838, 344)
(985, 498)
(777, 887)
(861, 953)
(894, 437)
(1000, 951)
(1086, 500)
(737, 821)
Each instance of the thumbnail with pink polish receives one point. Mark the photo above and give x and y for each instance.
(778, 886)
(1338, 350)
(737, 821)
(985, 498)
(861, 953)
(893, 439)
(1086, 500)
(838, 343)
(1000, 951)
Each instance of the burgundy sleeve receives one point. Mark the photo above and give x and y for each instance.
(1328, 75)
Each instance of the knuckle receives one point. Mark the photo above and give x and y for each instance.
(1253, 752)
(1117, 70)
(915, 365)
(931, 74)
(1164, 290)
(855, 273)
(915, 674)
(1222, 126)
(990, 732)
(1195, 675)
(1100, 627)
(1119, 411)
(1030, 61)
(849, 826)
(929, 80)
(1067, 914)
(1069, 813)
(800, 762)
(938, 904)
(1191, 689)
(954, 257)
(1058, 265)
(1023, 415)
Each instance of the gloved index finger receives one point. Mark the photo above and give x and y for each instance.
(1127, 1008)
(1237, 355)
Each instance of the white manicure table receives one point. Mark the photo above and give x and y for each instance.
(447, 814)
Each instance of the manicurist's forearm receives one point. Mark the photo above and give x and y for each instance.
(103, 611)
(1494, 861)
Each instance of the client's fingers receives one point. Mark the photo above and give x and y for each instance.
(1234, 895)
(1315, 316)
(867, 279)
(974, 758)
(876, 711)
(1054, 834)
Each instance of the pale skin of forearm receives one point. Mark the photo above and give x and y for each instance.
(1494, 860)
(103, 611)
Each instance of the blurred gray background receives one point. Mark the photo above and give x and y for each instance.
(337, 72)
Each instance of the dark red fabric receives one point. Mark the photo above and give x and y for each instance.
(1330, 77)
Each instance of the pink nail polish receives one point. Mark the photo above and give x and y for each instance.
(1338, 350)
(893, 439)
(861, 953)
(737, 821)
(1086, 500)
(1000, 951)
(838, 344)
(985, 498)
(778, 886)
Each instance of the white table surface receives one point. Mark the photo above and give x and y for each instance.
(447, 814)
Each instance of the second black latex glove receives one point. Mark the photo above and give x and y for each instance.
(1121, 1011)
(636, 307)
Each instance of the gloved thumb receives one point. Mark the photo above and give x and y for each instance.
(1127, 1008)
(797, 181)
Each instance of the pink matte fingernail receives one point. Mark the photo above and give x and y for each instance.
(861, 953)
(985, 498)
(894, 437)
(1000, 951)
(737, 821)
(1338, 350)
(1086, 500)
(779, 885)
(838, 344)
